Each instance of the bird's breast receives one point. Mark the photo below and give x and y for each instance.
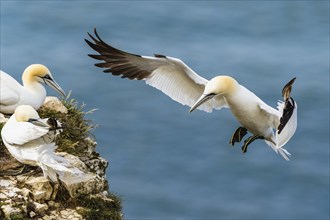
(245, 107)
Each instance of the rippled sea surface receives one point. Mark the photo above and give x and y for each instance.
(165, 162)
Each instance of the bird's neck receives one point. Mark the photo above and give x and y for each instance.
(35, 87)
(236, 95)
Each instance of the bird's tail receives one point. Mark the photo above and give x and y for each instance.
(279, 150)
(54, 166)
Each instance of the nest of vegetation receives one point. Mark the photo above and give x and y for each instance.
(77, 128)
(75, 139)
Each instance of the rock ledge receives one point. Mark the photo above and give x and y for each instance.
(32, 196)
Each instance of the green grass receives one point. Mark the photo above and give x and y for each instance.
(17, 216)
(99, 209)
(92, 208)
(76, 127)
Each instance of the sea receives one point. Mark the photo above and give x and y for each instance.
(167, 163)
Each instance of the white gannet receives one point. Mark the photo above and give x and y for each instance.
(174, 78)
(31, 93)
(30, 140)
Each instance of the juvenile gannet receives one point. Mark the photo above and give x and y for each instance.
(174, 78)
(30, 140)
(31, 93)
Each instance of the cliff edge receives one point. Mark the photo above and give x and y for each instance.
(26, 194)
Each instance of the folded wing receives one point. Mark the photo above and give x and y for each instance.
(8, 89)
(19, 133)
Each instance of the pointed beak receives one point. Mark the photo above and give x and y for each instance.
(37, 122)
(201, 100)
(51, 82)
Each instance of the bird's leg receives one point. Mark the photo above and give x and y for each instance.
(238, 135)
(249, 141)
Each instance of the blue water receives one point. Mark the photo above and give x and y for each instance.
(165, 162)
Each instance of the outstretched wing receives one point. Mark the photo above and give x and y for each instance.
(170, 75)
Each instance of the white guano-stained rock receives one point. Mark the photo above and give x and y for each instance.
(52, 102)
(40, 187)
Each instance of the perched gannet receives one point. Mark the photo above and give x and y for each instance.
(31, 93)
(30, 140)
(182, 84)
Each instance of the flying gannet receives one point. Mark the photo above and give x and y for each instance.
(31, 93)
(174, 78)
(30, 140)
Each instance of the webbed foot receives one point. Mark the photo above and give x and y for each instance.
(248, 141)
(238, 135)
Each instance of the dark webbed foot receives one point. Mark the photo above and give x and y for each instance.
(238, 135)
(248, 141)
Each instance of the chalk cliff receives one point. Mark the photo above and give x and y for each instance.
(29, 195)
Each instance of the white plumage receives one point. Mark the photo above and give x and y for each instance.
(31, 93)
(30, 140)
(182, 84)
(174, 78)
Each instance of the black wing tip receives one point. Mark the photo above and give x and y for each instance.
(159, 55)
(97, 40)
(95, 33)
(89, 43)
(115, 60)
(99, 45)
(288, 110)
(287, 88)
(292, 81)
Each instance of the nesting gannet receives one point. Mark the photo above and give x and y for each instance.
(31, 93)
(30, 140)
(174, 78)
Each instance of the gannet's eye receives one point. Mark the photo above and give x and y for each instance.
(211, 94)
(32, 120)
(47, 77)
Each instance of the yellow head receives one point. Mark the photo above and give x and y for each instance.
(25, 113)
(37, 73)
(219, 85)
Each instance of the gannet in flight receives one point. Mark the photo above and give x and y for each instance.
(174, 78)
(31, 93)
(30, 140)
